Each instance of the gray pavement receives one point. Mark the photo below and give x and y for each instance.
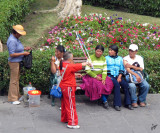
(92, 117)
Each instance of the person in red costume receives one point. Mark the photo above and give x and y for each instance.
(68, 87)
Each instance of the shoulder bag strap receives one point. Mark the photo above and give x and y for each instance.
(61, 77)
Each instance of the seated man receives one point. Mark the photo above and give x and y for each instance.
(129, 63)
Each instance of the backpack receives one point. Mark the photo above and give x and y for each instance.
(132, 79)
(27, 61)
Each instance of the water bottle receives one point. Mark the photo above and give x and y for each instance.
(26, 89)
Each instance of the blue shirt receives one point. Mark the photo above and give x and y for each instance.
(14, 46)
(114, 65)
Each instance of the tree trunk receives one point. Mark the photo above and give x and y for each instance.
(72, 7)
(1, 47)
(65, 8)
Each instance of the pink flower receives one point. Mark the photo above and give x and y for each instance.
(89, 48)
(104, 18)
(119, 29)
(49, 40)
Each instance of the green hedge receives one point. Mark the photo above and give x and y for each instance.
(145, 7)
(12, 12)
(39, 74)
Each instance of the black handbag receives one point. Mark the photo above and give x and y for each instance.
(27, 61)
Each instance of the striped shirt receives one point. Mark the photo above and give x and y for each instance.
(99, 67)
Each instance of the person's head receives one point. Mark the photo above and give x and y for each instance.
(99, 50)
(18, 31)
(67, 56)
(113, 50)
(60, 50)
(133, 48)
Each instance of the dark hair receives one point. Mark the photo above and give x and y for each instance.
(61, 48)
(100, 47)
(114, 47)
(66, 56)
(14, 32)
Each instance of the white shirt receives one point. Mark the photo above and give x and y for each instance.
(137, 59)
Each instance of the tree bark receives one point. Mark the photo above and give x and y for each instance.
(65, 8)
(72, 7)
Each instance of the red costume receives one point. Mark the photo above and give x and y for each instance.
(68, 87)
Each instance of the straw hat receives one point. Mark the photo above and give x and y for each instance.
(19, 29)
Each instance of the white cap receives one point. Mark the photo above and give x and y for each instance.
(133, 47)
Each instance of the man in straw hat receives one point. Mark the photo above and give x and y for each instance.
(16, 54)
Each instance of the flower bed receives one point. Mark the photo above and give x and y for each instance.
(100, 29)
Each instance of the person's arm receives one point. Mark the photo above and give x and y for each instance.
(89, 72)
(19, 54)
(121, 71)
(12, 48)
(53, 65)
(104, 71)
(127, 65)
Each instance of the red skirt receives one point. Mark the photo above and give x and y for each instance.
(94, 88)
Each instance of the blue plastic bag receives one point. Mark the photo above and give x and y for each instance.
(56, 92)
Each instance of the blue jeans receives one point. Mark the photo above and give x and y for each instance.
(104, 98)
(144, 88)
(117, 94)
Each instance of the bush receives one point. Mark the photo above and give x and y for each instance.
(12, 12)
(145, 7)
(39, 74)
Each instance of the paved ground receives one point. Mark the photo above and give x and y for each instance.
(92, 117)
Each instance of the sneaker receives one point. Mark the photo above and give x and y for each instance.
(106, 105)
(73, 127)
(15, 102)
(117, 108)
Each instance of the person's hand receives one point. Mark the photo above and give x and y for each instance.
(26, 53)
(27, 48)
(53, 59)
(138, 78)
(103, 82)
(98, 78)
(89, 64)
(119, 79)
(86, 63)
(78, 75)
(141, 69)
